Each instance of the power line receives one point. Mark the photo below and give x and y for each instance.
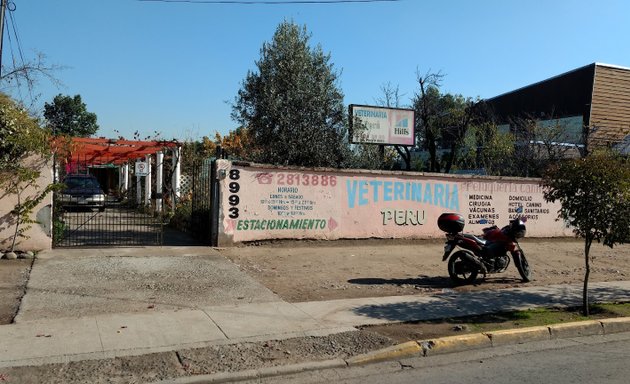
(18, 62)
(237, 2)
(17, 37)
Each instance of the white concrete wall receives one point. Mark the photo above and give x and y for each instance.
(40, 235)
(263, 202)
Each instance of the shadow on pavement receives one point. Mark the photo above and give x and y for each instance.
(424, 281)
(456, 304)
(173, 237)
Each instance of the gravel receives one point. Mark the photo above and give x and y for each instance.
(224, 358)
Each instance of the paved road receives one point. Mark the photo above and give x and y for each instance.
(594, 359)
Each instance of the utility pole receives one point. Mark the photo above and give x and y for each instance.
(3, 7)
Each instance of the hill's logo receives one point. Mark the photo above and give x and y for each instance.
(402, 127)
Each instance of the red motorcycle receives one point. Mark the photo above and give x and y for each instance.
(485, 254)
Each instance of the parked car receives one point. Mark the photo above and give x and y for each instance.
(82, 191)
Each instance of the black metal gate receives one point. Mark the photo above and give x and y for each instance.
(200, 200)
(118, 225)
(110, 217)
(201, 217)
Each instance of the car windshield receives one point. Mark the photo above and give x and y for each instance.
(81, 183)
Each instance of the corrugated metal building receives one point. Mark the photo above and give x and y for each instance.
(596, 96)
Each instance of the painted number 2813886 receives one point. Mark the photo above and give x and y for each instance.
(306, 179)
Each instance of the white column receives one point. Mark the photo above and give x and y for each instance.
(159, 181)
(147, 182)
(139, 190)
(177, 168)
(56, 171)
(125, 177)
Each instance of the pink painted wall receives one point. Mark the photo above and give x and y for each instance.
(39, 235)
(262, 202)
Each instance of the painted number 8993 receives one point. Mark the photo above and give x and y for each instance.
(233, 199)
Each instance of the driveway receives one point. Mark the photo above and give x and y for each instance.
(80, 282)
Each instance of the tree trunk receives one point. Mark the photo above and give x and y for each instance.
(18, 216)
(451, 158)
(406, 156)
(587, 247)
(432, 152)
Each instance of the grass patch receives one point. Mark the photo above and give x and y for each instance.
(542, 316)
(498, 321)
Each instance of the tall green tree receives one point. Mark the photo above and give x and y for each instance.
(442, 121)
(291, 104)
(68, 115)
(594, 193)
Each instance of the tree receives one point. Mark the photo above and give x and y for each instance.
(442, 121)
(237, 143)
(20, 74)
(24, 147)
(291, 104)
(390, 96)
(68, 115)
(540, 143)
(485, 147)
(594, 193)
(426, 105)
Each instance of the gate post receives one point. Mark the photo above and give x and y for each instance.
(158, 182)
(147, 183)
(138, 190)
(177, 170)
(125, 177)
(214, 199)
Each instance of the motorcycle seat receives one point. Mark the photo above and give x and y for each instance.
(475, 239)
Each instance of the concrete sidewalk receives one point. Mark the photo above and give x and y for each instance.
(105, 336)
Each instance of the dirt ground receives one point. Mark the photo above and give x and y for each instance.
(316, 270)
(295, 271)
(13, 278)
(94, 281)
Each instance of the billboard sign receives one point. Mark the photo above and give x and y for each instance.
(380, 125)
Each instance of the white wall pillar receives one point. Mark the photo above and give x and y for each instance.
(159, 181)
(125, 177)
(138, 190)
(123, 180)
(147, 182)
(177, 169)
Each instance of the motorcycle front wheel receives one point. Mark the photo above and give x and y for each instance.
(523, 266)
(461, 269)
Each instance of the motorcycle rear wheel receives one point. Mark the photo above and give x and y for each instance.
(461, 269)
(522, 266)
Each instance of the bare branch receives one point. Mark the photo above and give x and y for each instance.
(27, 74)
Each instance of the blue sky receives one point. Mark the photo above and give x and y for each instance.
(175, 67)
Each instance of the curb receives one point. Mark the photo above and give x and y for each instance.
(451, 344)
(409, 348)
(424, 348)
(254, 374)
